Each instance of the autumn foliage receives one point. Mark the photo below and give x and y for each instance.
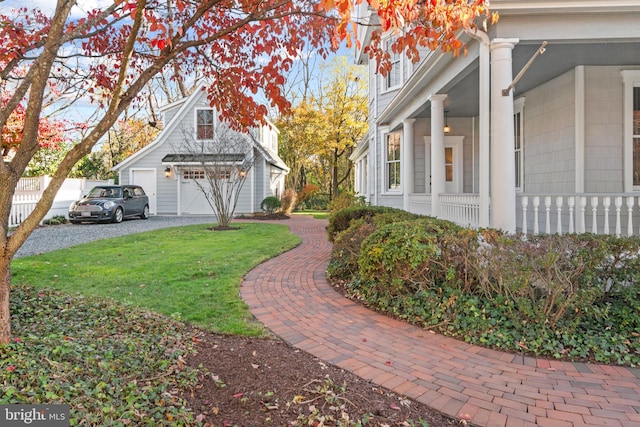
(107, 58)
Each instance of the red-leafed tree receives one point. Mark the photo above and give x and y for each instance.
(111, 54)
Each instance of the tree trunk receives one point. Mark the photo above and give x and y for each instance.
(5, 312)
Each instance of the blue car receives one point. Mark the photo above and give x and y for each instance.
(110, 203)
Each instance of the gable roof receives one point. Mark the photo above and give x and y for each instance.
(187, 104)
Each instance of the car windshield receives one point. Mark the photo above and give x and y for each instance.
(105, 192)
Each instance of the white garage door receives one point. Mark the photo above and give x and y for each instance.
(192, 200)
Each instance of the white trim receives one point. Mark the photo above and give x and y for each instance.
(385, 161)
(631, 79)
(580, 123)
(518, 108)
(196, 110)
(400, 64)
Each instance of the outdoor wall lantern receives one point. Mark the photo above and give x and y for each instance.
(167, 172)
(447, 128)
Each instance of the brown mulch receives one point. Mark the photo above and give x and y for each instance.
(249, 381)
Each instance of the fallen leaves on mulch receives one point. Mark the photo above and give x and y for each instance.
(249, 381)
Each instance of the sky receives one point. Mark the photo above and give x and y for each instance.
(48, 7)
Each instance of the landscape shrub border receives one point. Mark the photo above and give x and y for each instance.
(572, 297)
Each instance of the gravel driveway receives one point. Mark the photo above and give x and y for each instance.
(50, 238)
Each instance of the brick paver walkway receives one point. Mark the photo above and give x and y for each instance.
(291, 296)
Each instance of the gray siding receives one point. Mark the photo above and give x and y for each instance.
(603, 130)
(549, 129)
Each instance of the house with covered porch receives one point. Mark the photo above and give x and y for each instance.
(536, 129)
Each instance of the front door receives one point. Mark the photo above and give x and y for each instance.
(452, 163)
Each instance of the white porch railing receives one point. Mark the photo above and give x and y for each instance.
(580, 213)
(463, 209)
(420, 203)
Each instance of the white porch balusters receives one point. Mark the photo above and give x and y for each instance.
(594, 211)
(606, 204)
(618, 203)
(536, 204)
(600, 220)
(559, 203)
(583, 208)
(630, 203)
(571, 201)
(547, 214)
(525, 204)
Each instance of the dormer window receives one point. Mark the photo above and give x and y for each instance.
(204, 123)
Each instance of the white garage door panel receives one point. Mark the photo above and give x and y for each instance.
(192, 200)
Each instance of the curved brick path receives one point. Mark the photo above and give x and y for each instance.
(291, 296)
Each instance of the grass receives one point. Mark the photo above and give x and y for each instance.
(189, 273)
(315, 214)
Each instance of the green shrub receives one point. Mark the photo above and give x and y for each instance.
(56, 220)
(270, 204)
(315, 201)
(404, 257)
(346, 250)
(339, 221)
(562, 296)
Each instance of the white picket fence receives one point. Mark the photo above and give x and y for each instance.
(29, 191)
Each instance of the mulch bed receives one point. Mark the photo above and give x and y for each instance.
(249, 382)
(266, 382)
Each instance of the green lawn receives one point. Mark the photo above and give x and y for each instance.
(189, 272)
(315, 214)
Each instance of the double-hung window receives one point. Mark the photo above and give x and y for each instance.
(204, 123)
(631, 133)
(394, 78)
(518, 142)
(393, 161)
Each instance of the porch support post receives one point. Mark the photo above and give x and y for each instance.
(503, 168)
(484, 126)
(438, 176)
(408, 162)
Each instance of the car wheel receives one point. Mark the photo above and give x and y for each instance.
(117, 215)
(145, 212)
(73, 221)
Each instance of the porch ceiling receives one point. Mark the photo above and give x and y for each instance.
(557, 59)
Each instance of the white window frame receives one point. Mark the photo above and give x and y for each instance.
(213, 123)
(396, 162)
(631, 80)
(396, 63)
(518, 115)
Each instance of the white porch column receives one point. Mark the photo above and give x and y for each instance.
(484, 127)
(408, 163)
(438, 177)
(503, 168)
